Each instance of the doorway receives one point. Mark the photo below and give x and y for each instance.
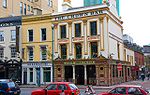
(79, 74)
(69, 73)
(91, 74)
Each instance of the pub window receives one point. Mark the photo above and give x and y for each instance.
(5, 3)
(94, 49)
(78, 48)
(30, 32)
(47, 74)
(30, 53)
(1, 36)
(63, 51)
(128, 71)
(43, 34)
(113, 71)
(78, 30)
(13, 52)
(93, 28)
(63, 31)
(1, 52)
(116, 72)
(13, 35)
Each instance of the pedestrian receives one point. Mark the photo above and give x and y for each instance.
(142, 76)
(148, 75)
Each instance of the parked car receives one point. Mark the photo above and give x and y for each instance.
(56, 88)
(8, 87)
(126, 90)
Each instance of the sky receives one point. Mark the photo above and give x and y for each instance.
(135, 15)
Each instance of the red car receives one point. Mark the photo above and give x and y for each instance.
(57, 88)
(126, 90)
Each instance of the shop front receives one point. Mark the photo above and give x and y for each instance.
(37, 73)
(91, 71)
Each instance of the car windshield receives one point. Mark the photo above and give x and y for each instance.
(11, 84)
(73, 87)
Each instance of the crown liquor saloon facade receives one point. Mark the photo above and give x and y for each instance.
(85, 40)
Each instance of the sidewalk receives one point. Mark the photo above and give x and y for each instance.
(138, 82)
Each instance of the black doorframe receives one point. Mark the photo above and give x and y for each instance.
(79, 74)
(10, 65)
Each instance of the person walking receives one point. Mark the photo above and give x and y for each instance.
(148, 75)
(142, 76)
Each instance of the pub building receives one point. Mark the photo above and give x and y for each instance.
(10, 48)
(88, 45)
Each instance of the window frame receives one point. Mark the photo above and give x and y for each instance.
(30, 54)
(42, 39)
(61, 51)
(13, 52)
(43, 57)
(30, 30)
(94, 28)
(13, 35)
(80, 29)
(4, 3)
(64, 32)
(2, 37)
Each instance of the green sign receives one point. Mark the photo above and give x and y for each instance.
(80, 62)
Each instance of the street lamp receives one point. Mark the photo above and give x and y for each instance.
(53, 26)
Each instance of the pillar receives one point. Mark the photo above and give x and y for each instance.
(70, 37)
(73, 66)
(85, 36)
(85, 75)
(28, 75)
(102, 33)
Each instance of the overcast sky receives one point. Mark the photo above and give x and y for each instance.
(135, 16)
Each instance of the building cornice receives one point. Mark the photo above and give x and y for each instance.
(36, 18)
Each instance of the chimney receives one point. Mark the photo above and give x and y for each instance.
(66, 5)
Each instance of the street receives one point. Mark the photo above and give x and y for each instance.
(98, 89)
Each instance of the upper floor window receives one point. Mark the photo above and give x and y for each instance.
(93, 28)
(78, 30)
(1, 36)
(63, 51)
(28, 7)
(13, 35)
(30, 32)
(63, 31)
(43, 53)
(13, 52)
(1, 52)
(49, 3)
(94, 49)
(25, 9)
(43, 34)
(5, 3)
(21, 8)
(30, 54)
(78, 49)
(31, 9)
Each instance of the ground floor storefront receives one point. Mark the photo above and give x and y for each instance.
(37, 73)
(92, 71)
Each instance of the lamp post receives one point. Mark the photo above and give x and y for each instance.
(53, 49)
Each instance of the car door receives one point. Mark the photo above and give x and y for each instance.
(52, 89)
(118, 91)
(63, 88)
